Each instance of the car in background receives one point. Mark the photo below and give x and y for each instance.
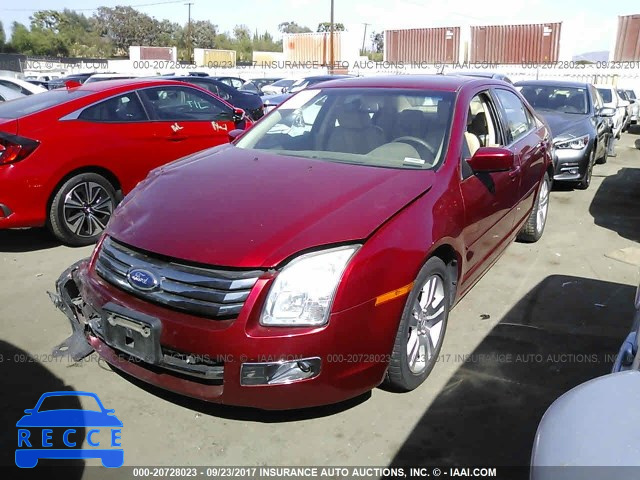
(493, 75)
(635, 114)
(630, 108)
(67, 156)
(235, 82)
(21, 86)
(565, 436)
(385, 213)
(611, 99)
(578, 122)
(250, 102)
(272, 101)
(102, 77)
(7, 94)
(256, 85)
(75, 77)
(278, 87)
(38, 83)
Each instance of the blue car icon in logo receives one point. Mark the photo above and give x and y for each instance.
(36, 435)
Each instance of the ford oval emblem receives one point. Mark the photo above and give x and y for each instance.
(142, 279)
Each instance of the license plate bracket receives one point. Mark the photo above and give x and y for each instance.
(133, 333)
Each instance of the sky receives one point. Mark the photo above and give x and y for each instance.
(588, 25)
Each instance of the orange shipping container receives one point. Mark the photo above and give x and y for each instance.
(628, 39)
(156, 53)
(513, 44)
(312, 47)
(422, 45)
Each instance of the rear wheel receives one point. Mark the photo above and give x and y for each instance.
(81, 209)
(422, 328)
(534, 228)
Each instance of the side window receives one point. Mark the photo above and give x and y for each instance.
(596, 98)
(123, 108)
(185, 104)
(235, 83)
(517, 118)
(482, 129)
(15, 87)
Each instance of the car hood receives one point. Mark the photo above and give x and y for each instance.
(233, 207)
(69, 418)
(566, 124)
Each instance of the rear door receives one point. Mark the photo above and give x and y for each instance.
(187, 119)
(600, 123)
(525, 136)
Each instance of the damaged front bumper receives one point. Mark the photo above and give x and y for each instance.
(67, 299)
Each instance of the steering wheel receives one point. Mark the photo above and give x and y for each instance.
(420, 143)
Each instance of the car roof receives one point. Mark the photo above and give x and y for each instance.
(423, 81)
(126, 82)
(552, 83)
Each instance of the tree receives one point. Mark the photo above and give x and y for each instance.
(125, 27)
(203, 34)
(292, 27)
(326, 27)
(3, 37)
(377, 38)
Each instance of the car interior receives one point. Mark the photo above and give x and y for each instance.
(396, 130)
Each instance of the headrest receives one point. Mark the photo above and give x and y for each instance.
(479, 123)
(354, 120)
(410, 117)
(444, 108)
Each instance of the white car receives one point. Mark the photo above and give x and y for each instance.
(611, 99)
(276, 88)
(21, 86)
(101, 77)
(7, 94)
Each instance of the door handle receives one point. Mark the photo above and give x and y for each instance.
(514, 173)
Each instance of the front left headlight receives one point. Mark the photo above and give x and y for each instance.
(575, 143)
(302, 293)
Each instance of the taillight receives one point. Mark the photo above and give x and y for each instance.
(14, 148)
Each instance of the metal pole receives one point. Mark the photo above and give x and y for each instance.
(331, 55)
(364, 37)
(189, 32)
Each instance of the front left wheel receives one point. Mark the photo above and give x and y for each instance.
(422, 328)
(81, 209)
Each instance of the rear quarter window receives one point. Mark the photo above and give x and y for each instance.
(39, 102)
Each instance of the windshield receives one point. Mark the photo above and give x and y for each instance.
(623, 95)
(631, 94)
(35, 103)
(606, 95)
(374, 127)
(557, 99)
(299, 85)
(283, 83)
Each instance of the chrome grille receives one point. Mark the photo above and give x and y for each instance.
(201, 291)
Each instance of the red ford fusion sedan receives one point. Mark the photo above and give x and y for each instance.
(68, 155)
(319, 254)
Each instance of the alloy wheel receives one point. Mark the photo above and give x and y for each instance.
(87, 209)
(425, 325)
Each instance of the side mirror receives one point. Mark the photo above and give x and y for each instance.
(631, 101)
(607, 112)
(492, 159)
(238, 115)
(233, 134)
(72, 84)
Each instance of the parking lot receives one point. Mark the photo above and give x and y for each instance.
(547, 317)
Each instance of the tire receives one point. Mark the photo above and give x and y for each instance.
(586, 181)
(418, 332)
(602, 160)
(533, 229)
(81, 209)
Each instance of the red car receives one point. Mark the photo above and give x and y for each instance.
(320, 253)
(68, 155)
